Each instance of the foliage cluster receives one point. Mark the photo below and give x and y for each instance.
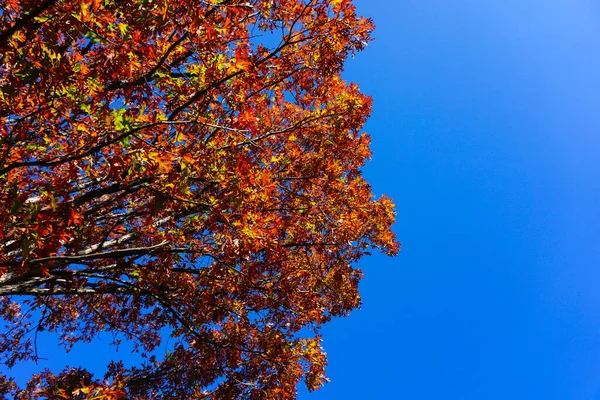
(188, 168)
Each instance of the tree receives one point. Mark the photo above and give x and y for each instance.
(187, 169)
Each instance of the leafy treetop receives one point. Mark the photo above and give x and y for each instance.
(182, 168)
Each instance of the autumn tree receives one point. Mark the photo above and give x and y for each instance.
(189, 169)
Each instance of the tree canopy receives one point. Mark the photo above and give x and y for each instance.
(182, 169)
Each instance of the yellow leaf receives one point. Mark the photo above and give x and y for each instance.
(85, 13)
(123, 29)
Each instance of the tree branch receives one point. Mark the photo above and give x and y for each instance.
(24, 20)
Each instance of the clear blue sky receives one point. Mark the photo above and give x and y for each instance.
(486, 132)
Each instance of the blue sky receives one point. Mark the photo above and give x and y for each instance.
(485, 131)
